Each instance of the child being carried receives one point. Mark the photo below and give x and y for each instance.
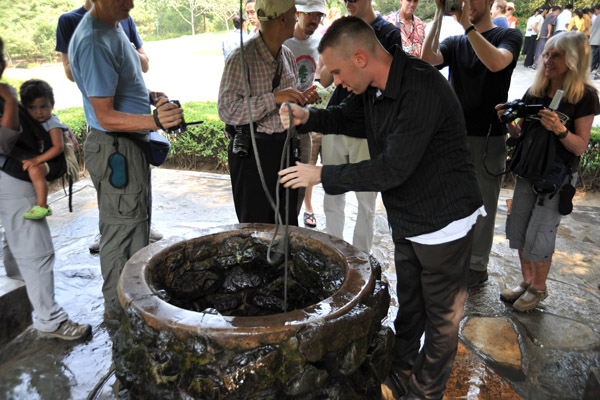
(38, 99)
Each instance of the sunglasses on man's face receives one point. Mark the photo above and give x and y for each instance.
(350, 1)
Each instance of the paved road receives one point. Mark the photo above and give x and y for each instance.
(189, 68)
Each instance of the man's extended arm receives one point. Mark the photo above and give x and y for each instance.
(431, 45)
(10, 114)
(112, 120)
(144, 60)
(67, 66)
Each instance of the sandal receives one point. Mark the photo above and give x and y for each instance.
(38, 212)
(310, 220)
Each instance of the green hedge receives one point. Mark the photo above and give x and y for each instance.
(204, 147)
(201, 147)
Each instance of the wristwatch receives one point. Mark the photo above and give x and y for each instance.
(469, 29)
(564, 134)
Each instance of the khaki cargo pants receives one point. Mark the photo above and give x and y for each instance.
(124, 213)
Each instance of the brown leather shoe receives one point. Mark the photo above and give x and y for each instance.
(476, 278)
(530, 299)
(510, 295)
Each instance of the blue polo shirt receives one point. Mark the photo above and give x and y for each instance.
(105, 64)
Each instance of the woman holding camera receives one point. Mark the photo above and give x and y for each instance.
(532, 223)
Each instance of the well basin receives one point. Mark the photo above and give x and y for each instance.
(176, 341)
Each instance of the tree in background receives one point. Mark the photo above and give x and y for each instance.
(189, 10)
(224, 9)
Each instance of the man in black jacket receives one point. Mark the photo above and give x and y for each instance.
(420, 163)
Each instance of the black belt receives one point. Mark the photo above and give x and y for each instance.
(276, 136)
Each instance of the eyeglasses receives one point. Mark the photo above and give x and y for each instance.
(350, 1)
(552, 55)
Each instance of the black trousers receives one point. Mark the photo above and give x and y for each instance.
(529, 50)
(432, 287)
(250, 200)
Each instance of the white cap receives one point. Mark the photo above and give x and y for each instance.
(312, 6)
(267, 10)
(510, 4)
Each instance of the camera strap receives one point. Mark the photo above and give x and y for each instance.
(485, 153)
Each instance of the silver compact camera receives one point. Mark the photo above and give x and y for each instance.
(452, 6)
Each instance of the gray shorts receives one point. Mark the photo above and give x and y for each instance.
(532, 227)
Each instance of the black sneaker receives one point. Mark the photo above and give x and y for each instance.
(477, 278)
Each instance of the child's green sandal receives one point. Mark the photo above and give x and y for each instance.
(38, 212)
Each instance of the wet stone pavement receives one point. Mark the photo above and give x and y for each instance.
(548, 353)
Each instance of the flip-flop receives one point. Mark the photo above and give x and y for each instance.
(310, 220)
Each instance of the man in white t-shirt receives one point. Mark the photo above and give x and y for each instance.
(562, 21)
(304, 45)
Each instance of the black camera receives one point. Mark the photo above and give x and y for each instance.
(517, 109)
(241, 141)
(452, 6)
(182, 127)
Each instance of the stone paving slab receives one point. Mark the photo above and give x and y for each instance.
(558, 343)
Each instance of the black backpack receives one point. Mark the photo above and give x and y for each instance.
(535, 158)
(28, 145)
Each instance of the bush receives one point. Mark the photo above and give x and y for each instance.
(74, 118)
(201, 147)
(589, 166)
(204, 147)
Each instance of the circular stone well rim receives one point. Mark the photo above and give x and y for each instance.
(135, 292)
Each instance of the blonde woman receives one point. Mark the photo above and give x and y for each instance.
(532, 224)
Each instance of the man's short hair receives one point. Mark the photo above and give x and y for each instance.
(346, 28)
(250, 1)
(554, 8)
(34, 89)
(501, 4)
(569, 7)
(597, 7)
(238, 20)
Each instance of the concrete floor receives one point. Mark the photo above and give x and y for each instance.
(547, 353)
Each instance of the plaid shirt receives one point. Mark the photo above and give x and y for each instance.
(261, 69)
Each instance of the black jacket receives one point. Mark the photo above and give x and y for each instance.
(417, 141)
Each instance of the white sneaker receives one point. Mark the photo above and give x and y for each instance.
(155, 235)
(95, 245)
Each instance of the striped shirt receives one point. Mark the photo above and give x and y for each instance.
(260, 70)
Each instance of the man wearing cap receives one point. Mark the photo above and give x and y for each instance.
(352, 147)
(268, 71)
(304, 45)
(512, 20)
(481, 63)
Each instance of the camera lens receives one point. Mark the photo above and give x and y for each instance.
(509, 116)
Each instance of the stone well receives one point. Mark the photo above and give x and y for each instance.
(204, 319)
